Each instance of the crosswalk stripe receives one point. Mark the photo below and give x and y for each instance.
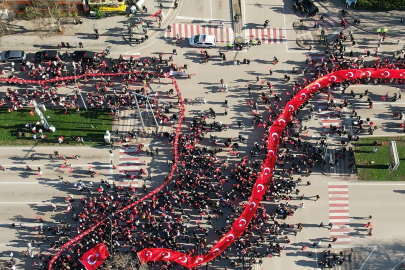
(267, 35)
(340, 216)
(128, 162)
(135, 55)
(186, 31)
(327, 23)
(182, 31)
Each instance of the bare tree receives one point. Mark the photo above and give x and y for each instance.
(50, 16)
(121, 261)
(6, 17)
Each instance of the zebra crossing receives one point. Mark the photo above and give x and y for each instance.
(341, 169)
(127, 121)
(185, 31)
(267, 35)
(339, 213)
(226, 34)
(328, 123)
(327, 22)
(328, 118)
(128, 168)
(134, 56)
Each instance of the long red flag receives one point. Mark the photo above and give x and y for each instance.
(93, 258)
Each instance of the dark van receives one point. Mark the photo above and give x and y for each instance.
(309, 7)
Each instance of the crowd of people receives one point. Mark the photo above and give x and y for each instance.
(209, 187)
(211, 183)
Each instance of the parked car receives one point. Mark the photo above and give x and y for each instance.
(47, 55)
(309, 7)
(203, 41)
(85, 56)
(12, 56)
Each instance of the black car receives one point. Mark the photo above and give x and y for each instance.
(47, 55)
(309, 7)
(85, 56)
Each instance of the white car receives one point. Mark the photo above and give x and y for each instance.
(203, 41)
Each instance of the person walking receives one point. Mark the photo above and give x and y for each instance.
(317, 197)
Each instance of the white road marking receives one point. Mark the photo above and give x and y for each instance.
(367, 258)
(376, 184)
(339, 214)
(200, 19)
(338, 202)
(338, 195)
(242, 2)
(390, 104)
(395, 267)
(339, 208)
(20, 183)
(339, 233)
(340, 220)
(36, 203)
(211, 8)
(284, 31)
(57, 165)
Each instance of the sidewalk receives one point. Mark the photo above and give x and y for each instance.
(370, 20)
(111, 30)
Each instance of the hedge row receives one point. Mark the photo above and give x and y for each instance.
(380, 4)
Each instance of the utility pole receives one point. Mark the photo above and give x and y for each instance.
(77, 88)
(140, 115)
(147, 100)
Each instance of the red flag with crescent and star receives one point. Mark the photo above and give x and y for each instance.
(93, 258)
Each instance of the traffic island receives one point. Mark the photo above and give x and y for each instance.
(372, 157)
(81, 128)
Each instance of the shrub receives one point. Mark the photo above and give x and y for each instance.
(380, 5)
(99, 14)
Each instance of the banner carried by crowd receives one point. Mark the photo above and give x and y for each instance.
(94, 257)
(263, 180)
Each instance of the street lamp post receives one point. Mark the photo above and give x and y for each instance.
(77, 88)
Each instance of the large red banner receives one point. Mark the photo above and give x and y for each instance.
(264, 178)
(94, 257)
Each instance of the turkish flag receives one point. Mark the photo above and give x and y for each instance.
(93, 258)
(156, 13)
